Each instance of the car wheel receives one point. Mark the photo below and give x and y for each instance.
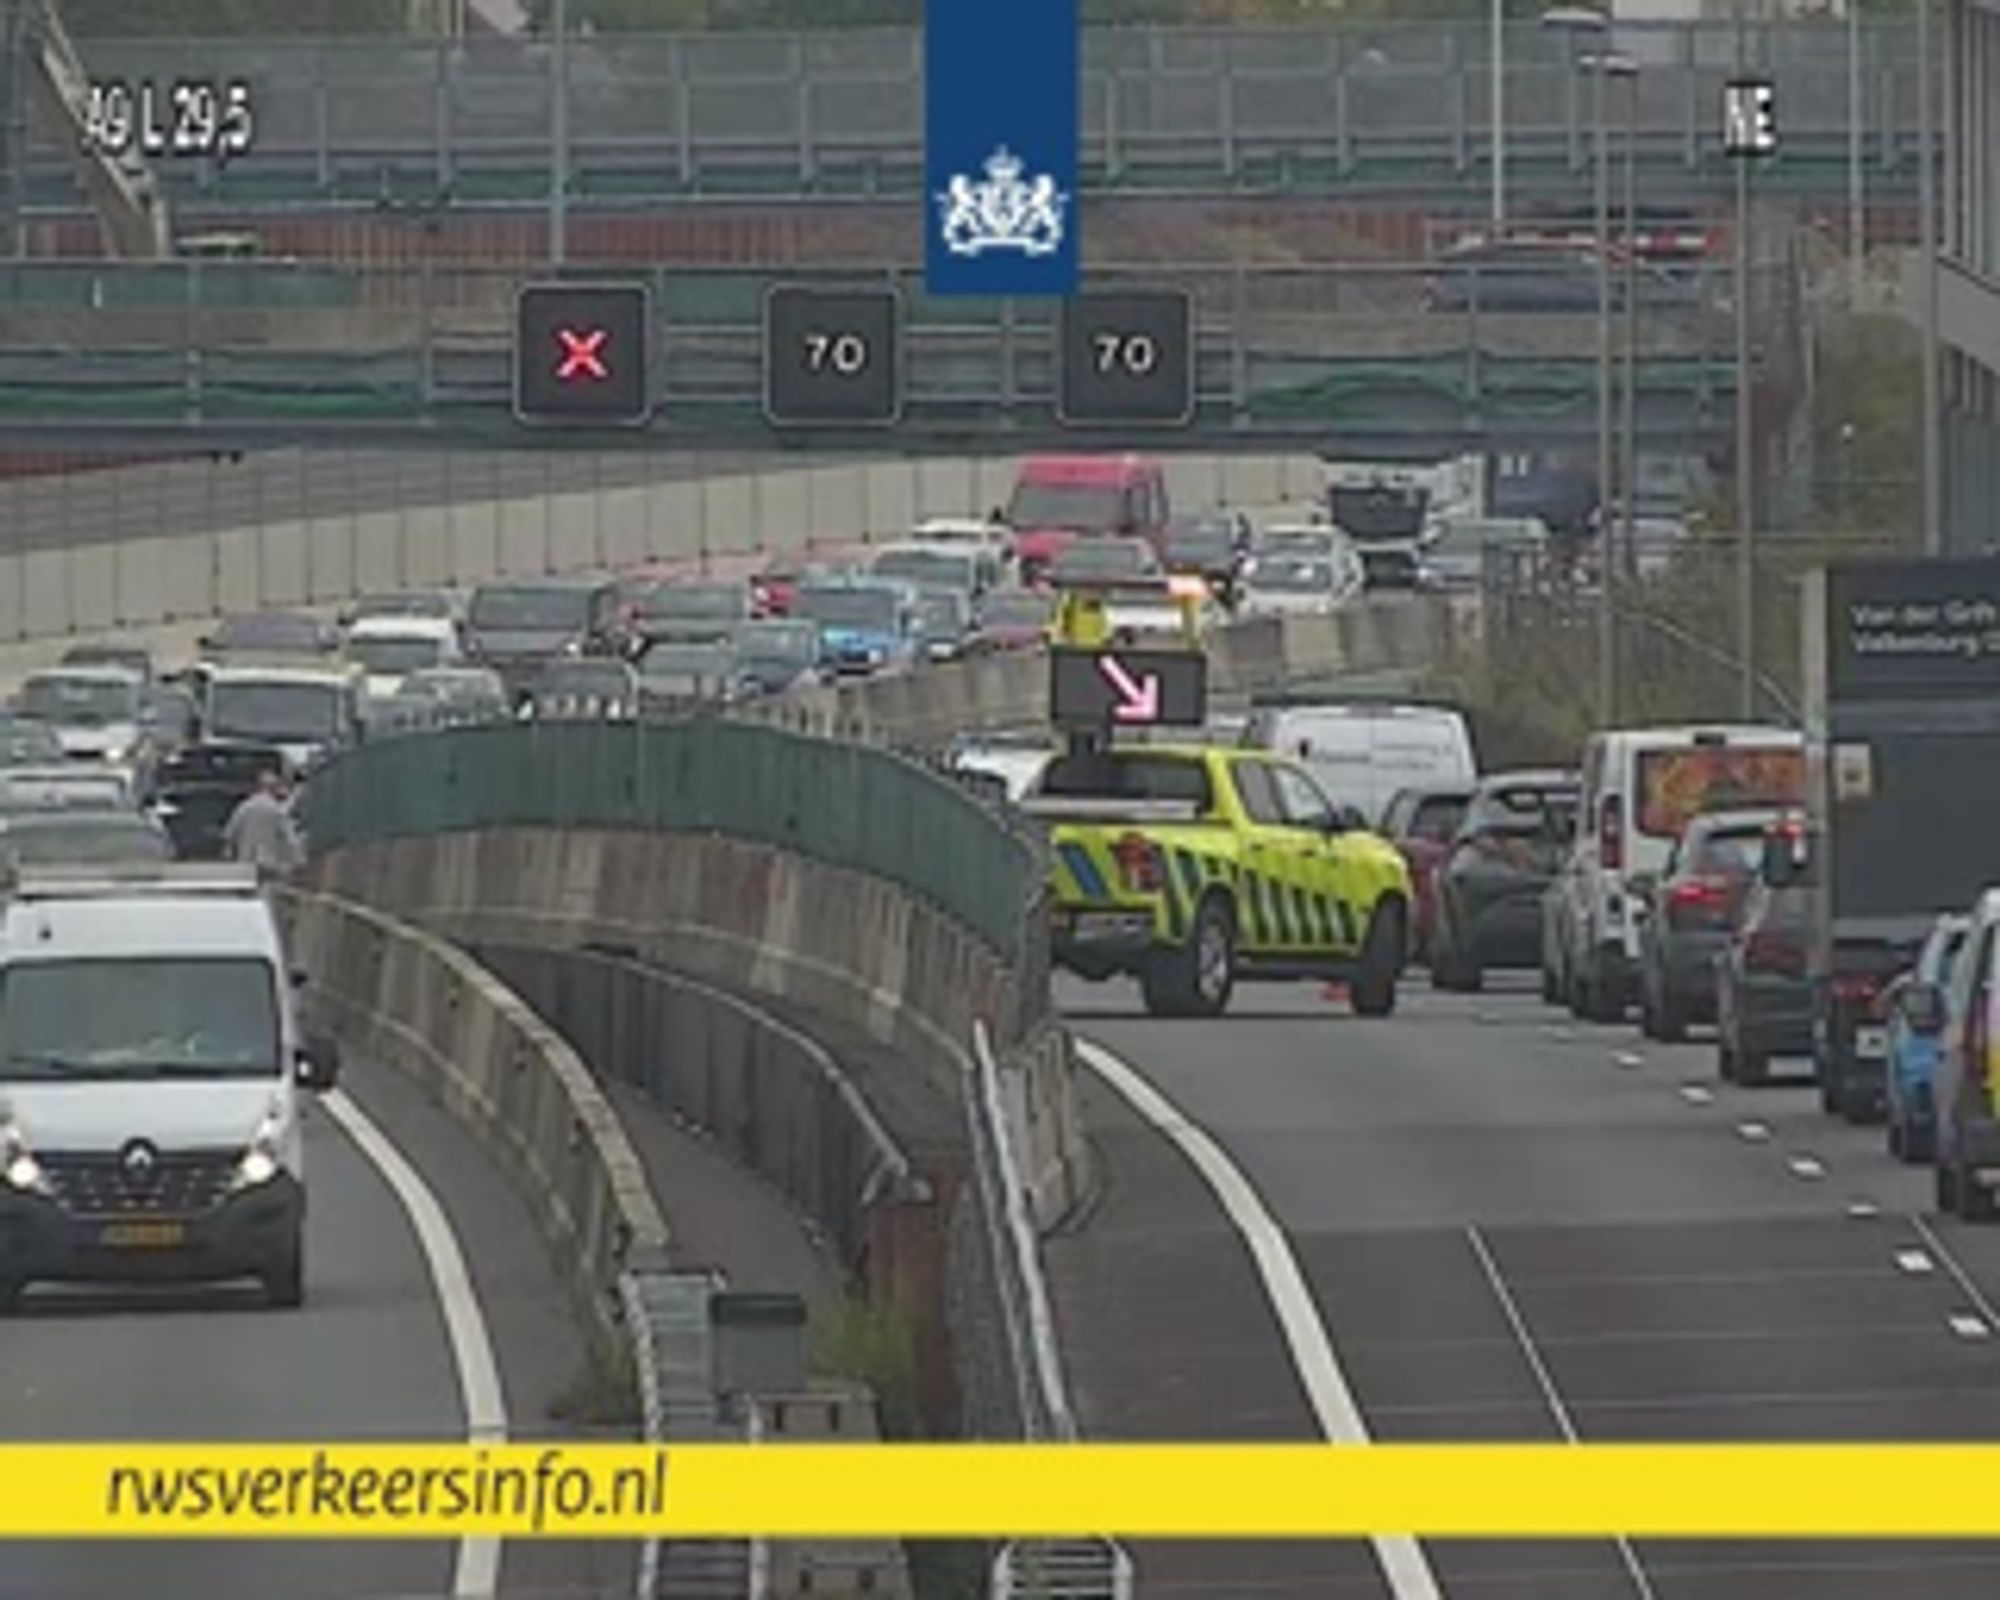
(1551, 986)
(1829, 1089)
(11, 1290)
(1919, 1143)
(1670, 1019)
(1725, 1057)
(1753, 1066)
(1602, 1002)
(1896, 1137)
(1373, 991)
(285, 1279)
(1194, 980)
(1860, 1105)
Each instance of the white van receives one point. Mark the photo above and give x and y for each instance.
(150, 1065)
(1362, 752)
(1640, 787)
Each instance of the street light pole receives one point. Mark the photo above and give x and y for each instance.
(1928, 209)
(1497, 98)
(1746, 444)
(1629, 470)
(1607, 638)
(1857, 183)
(559, 135)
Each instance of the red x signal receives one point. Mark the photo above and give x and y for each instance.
(581, 358)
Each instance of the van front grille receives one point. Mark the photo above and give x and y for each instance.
(181, 1183)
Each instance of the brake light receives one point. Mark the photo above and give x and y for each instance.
(1140, 864)
(1697, 897)
(1611, 834)
(1856, 988)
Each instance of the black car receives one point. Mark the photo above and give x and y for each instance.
(1689, 911)
(1210, 546)
(519, 626)
(1763, 998)
(1488, 891)
(198, 789)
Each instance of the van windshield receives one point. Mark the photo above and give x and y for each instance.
(1674, 785)
(1076, 507)
(138, 1017)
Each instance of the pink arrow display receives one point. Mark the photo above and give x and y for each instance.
(1138, 698)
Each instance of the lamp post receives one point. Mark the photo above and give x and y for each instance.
(1497, 106)
(1578, 22)
(1627, 70)
(1857, 183)
(1746, 438)
(1933, 498)
(559, 134)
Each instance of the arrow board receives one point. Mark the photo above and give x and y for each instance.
(1128, 688)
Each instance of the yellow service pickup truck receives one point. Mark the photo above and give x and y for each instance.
(1194, 867)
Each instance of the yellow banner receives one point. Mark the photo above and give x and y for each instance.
(1000, 1491)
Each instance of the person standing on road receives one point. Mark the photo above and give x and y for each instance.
(260, 831)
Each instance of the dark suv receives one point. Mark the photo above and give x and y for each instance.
(1763, 998)
(1488, 891)
(1689, 912)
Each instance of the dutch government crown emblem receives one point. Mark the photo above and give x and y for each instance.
(1007, 211)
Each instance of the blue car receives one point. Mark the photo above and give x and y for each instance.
(865, 626)
(1916, 1007)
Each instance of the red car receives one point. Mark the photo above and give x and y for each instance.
(771, 589)
(1422, 824)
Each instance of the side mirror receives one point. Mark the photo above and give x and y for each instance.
(300, 977)
(318, 1065)
(1643, 886)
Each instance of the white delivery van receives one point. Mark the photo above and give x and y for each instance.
(150, 1067)
(1362, 752)
(1640, 787)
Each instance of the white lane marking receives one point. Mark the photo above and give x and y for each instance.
(1967, 1326)
(1753, 1132)
(1863, 1210)
(476, 1571)
(1915, 1262)
(1629, 1058)
(1696, 1094)
(1404, 1563)
(1809, 1168)
(1545, 1379)
(1959, 1275)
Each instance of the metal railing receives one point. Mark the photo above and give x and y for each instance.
(1416, 351)
(470, 122)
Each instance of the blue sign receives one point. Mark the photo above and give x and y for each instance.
(1001, 92)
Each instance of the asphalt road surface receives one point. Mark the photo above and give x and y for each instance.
(367, 1358)
(1513, 1226)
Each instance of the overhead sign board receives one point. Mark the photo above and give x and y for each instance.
(1118, 688)
(831, 357)
(1002, 93)
(582, 353)
(1128, 359)
(1924, 628)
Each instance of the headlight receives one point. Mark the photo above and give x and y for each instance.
(877, 655)
(260, 1161)
(18, 1166)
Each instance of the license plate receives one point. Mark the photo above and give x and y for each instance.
(1871, 1042)
(144, 1235)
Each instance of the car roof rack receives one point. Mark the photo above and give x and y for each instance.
(124, 880)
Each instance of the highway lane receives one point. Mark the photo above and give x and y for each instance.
(368, 1357)
(1514, 1226)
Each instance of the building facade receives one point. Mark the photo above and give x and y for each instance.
(1969, 277)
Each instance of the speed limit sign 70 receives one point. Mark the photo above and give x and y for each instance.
(1127, 359)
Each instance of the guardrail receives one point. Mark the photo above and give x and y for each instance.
(411, 1000)
(255, 353)
(653, 117)
(841, 805)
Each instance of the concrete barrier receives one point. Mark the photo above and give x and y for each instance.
(402, 996)
(924, 710)
(89, 587)
(745, 916)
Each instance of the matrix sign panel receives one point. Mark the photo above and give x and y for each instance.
(831, 357)
(1128, 688)
(1128, 359)
(581, 354)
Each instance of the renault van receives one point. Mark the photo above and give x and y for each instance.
(150, 1075)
